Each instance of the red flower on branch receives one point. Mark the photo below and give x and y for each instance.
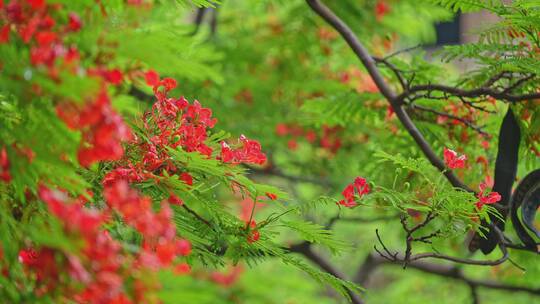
(486, 199)
(352, 191)
(249, 152)
(452, 160)
(151, 77)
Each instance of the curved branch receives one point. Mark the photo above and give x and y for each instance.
(370, 65)
(372, 262)
(479, 92)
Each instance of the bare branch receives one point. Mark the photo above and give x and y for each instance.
(474, 93)
(372, 262)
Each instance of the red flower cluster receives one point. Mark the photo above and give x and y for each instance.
(171, 123)
(34, 24)
(452, 160)
(137, 211)
(354, 191)
(160, 246)
(328, 140)
(103, 129)
(94, 273)
(174, 123)
(5, 175)
(97, 272)
(248, 152)
(253, 232)
(490, 198)
(228, 278)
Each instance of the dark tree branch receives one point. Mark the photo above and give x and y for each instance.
(473, 93)
(197, 216)
(372, 262)
(474, 294)
(395, 70)
(396, 103)
(402, 51)
(199, 16)
(409, 257)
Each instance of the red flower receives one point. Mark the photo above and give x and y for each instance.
(167, 83)
(166, 252)
(292, 144)
(75, 23)
(452, 160)
(175, 200)
(114, 76)
(182, 269)
(253, 236)
(151, 77)
(381, 9)
(186, 178)
(4, 166)
(36, 4)
(490, 198)
(183, 247)
(250, 152)
(4, 34)
(103, 130)
(359, 188)
(271, 196)
(228, 278)
(46, 38)
(282, 129)
(27, 256)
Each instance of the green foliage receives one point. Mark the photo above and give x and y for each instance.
(274, 63)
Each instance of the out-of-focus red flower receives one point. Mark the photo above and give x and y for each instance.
(183, 247)
(381, 9)
(292, 144)
(182, 269)
(175, 200)
(271, 196)
(114, 76)
(228, 278)
(151, 77)
(5, 175)
(75, 22)
(4, 34)
(282, 129)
